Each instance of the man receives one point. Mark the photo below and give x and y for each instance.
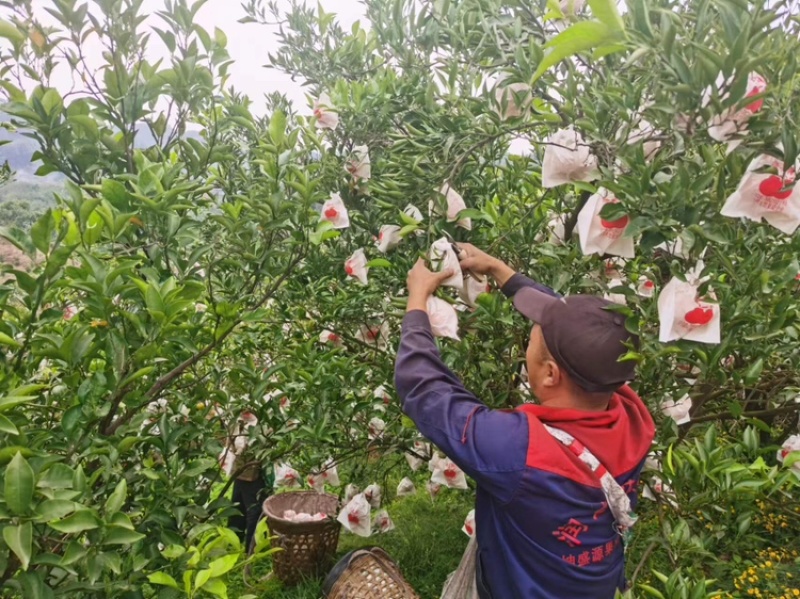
(545, 528)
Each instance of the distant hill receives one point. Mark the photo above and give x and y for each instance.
(27, 195)
(18, 153)
(12, 256)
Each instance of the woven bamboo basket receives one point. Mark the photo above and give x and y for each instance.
(308, 547)
(367, 573)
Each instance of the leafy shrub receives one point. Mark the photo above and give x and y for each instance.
(178, 284)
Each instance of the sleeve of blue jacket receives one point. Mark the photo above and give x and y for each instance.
(489, 445)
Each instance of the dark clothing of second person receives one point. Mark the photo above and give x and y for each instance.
(543, 526)
(248, 496)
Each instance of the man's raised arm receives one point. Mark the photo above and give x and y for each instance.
(509, 281)
(490, 446)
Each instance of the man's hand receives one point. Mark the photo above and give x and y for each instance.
(422, 283)
(481, 263)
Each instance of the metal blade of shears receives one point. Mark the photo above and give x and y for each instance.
(459, 252)
(453, 244)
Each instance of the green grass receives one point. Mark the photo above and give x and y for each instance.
(427, 545)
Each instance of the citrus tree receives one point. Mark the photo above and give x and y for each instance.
(674, 104)
(205, 260)
(162, 247)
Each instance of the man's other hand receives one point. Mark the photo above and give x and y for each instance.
(479, 262)
(422, 283)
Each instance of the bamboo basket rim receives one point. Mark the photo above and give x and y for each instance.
(275, 506)
(352, 578)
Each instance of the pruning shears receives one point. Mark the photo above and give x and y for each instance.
(453, 244)
(459, 252)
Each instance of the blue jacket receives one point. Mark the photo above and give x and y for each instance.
(543, 527)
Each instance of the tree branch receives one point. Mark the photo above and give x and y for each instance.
(755, 414)
(572, 221)
(165, 381)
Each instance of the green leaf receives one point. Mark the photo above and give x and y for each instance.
(223, 565)
(10, 32)
(71, 418)
(744, 524)
(20, 540)
(116, 535)
(75, 551)
(607, 13)
(19, 485)
(613, 211)
(19, 239)
(80, 521)
(791, 459)
(52, 102)
(155, 303)
(203, 576)
(379, 263)
(607, 49)
(85, 124)
(407, 220)
(194, 558)
(476, 214)
(93, 229)
(117, 498)
(217, 588)
(173, 551)
(42, 232)
(261, 536)
(554, 9)
(11, 401)
(579, 37)
(641, 17)
(57, 476)
(317, 237)
(6, 453)
(163, 579)
(8, 427)
(6, 340)
(14, 93)
(714, 236)
(753, 373)
(55, 509)
(33, 586)
(407, 230)
(127, 443)
(220, 38)
(651, 591)
(121, 519)
(79, 479)
(28, 389)
(277, 127)
(137, 375)
(169, 39)
(117, 195)
(790, 149)
(637, 225)
(632, 356)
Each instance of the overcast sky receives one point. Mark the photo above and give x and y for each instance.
(248, 45)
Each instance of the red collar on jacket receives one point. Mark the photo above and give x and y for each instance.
(620, 437)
